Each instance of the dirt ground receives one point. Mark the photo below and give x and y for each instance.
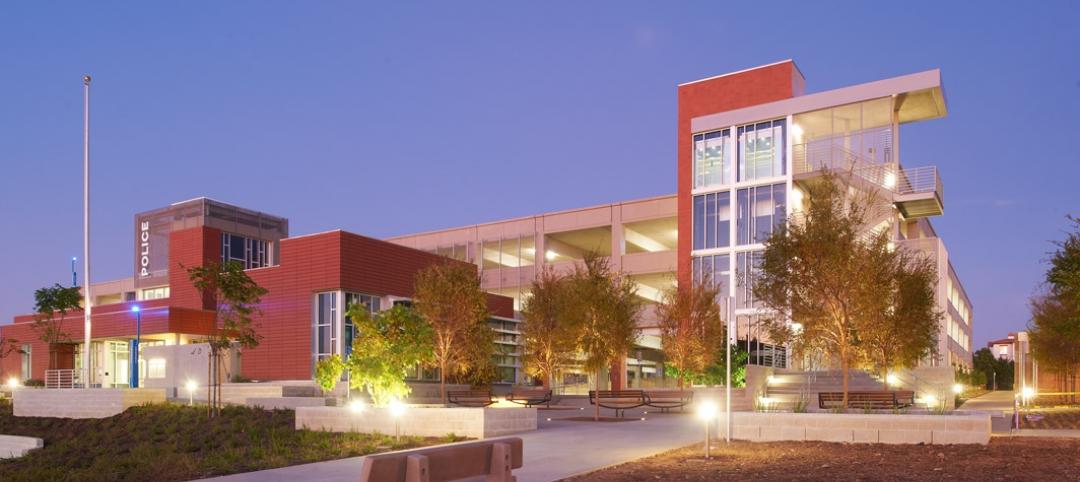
(1052, 418)
(1003, 459)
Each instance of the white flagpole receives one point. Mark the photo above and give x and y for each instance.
(86, 233)
(727, 386)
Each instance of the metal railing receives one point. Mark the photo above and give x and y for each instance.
(64, 378)
(830, 154)
(918, 180)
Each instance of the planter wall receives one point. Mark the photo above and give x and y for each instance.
(82, 403)
(423, 422)
(860, 428)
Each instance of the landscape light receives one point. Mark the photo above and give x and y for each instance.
(356, 406)
(930, 399)
(892, 380)
(1028, 393)
(958, 388)
(397, 408)
(191, 387)
(707, 412)
(13, 383)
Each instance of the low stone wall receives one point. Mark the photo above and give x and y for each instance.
(12, 446)
(290, 403)
(239, 393)
(423, 422)
(82, 403)
(861, 428)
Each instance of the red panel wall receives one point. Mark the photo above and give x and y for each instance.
(735, 91)
(187, 248)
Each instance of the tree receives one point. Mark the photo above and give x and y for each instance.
(691, 331)
(996, 372)
(816, 271)
(328, 372)
(237, 297)
(387, 345)
(8, 346)
(550, 340)
(52, 304)
(1054, 333)
(902, 329)
(605, 309)
(449, 296)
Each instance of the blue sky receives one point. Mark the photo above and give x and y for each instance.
(391, 118)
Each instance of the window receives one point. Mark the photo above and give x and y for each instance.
(27, 373)
(762, 150)
(714, 268)
(712, 220)
(761, 210)
(746, 269)
(154, 293)
(511, 252)
(155, 368)
(712, 158)
(249, 252)
(324, 325)
(351, 299)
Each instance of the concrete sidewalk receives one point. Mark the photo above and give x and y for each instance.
(996, 401)
(557, 450)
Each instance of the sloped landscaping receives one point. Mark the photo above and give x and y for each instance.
(171, 442)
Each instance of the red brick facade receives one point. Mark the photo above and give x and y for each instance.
(720, 94)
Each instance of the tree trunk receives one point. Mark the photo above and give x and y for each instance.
(596, 412)
(442, 381)
(209, 384)
(844, 374)
(885, 380)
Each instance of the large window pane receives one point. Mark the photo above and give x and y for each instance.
(528, 250)
(762, 150)
(712, 220)
(699, 222)
(761, 209)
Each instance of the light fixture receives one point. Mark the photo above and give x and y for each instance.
(892, 380)
(930, 399)
(397, 409)
(551, 255)
(191, 387)
(958, 388)
(770, 380)
(356, 406)
(13, 383)
(134, 308)
(1028, 393)
(890, 180)
(707, 412)
(797, 131)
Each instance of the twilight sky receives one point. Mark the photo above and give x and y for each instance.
(415, 116)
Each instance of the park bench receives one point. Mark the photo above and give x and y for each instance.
(619, 400)
(668, 399)
(905, 398)
(470, 398)
(879, 400)
(530, 396)
(493, 458)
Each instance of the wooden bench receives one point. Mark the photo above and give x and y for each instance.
(470, 398)
(668, 399)
(619, 400)
(877, 400)
(905, 398)
(530, 396)
(493, 458)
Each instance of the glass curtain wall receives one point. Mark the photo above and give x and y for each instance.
(712, 220)
(509, 252)
(324, 326)
(712, 158)
(762, 150)
(354, 299)
(761, 210)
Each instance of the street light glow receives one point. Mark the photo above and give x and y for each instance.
(134, 308)
(707, 410)
(13, 383)
(356, 406)
(958, 388)
(1028, 393)
(192, 386)
(397, 408)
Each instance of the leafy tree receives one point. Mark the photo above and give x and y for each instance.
(1055, 314)
(328, 371)
(818, 271)
(387, 345)
(237, 297)
(716, 372)
(449, 296)
(993, 369)
(52, 304)
(902, 329)
(690, 329)
(550, 340)
(605, 308)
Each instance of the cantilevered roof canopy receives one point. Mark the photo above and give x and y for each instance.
(919, 96)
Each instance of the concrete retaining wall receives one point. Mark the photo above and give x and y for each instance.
(290, 403)
(424, 422)
(12, 446)
(239, 393)
(861, 428)
(82, 403)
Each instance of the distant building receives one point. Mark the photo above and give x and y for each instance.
(1005, 348)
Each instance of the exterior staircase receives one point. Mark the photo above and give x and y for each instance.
(786, 387)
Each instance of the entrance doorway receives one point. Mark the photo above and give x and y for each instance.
(117, 364)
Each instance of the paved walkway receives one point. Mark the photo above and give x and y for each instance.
(997, 401)
(557, 450)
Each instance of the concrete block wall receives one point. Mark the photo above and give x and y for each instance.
(82, 403)
(239, 393)
(12, 446)
(861, 428)
(424, 422)
(287, 403)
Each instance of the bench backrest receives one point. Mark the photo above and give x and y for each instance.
(670, 394)
(469, 394)
(445, 463)
(529, 392)
(618, 394)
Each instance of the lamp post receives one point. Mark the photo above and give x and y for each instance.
(74, 277)
(135, 347)
(87, 306)
(397, 409)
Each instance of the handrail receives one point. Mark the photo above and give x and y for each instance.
(60, 378)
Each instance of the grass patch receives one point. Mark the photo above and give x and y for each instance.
(167, 442)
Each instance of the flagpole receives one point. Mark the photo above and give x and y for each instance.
(86, 233)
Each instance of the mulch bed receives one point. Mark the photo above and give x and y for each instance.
(1051, 419)
(1003, 459)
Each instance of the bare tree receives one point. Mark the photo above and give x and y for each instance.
(449, 296)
